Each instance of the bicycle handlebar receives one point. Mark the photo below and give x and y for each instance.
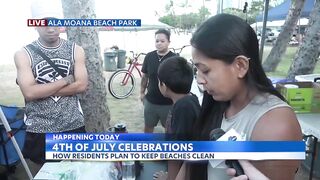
(179, 49)
(137, 56)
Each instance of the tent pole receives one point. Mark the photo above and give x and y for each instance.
(221, 6)
(263, 33)
(15, 143)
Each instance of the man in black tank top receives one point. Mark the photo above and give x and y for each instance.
(50, 96)
(156, 106)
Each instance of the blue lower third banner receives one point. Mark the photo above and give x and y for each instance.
(119, 150)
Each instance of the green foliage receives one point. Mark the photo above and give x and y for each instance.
(188, 21)
(256, 6)
(286, 60)
(254, 10)
(235, 11)
(169, 19)
(191, 20)
(203, 14)
(185, 21)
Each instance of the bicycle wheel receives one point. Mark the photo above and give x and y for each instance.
(121, 84)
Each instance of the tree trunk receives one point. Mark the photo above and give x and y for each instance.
(309, 51)
(273, 59)
(94, 101)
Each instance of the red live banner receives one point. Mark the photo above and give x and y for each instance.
(37, 22)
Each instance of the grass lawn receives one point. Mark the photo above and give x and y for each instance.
(129, 110)
(285, 63)
(10, 92)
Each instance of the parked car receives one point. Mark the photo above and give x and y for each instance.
(271, 35)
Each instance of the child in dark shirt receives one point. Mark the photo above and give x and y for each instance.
(175, 79)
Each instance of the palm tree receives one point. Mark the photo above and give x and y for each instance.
(94, 101)
(273, 59)
(309, 51)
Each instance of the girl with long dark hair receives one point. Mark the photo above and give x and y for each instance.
(238, 95)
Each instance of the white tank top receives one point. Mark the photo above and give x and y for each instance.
(244, 122)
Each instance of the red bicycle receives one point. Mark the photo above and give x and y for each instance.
(122, 82)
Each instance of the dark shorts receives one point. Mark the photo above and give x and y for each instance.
(154, 112)
(34, 145)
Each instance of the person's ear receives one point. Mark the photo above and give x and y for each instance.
(160, 83)
(164, 86)
(241, 64)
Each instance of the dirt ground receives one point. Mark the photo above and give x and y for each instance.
(128, 110)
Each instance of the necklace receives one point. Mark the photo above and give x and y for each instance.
(160, 58)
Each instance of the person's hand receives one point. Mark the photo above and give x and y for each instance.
(160, 175)
(242, 177)
(142, 95)
(250, 172)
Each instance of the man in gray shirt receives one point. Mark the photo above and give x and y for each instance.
(51, 98)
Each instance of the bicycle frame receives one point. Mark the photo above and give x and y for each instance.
(133, 65)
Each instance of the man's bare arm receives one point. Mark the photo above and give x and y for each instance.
(30, 89)
(80, 75)
(143, 86)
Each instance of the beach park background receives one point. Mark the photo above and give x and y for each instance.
(15, 34)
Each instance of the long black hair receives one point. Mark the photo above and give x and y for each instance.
(224, 37)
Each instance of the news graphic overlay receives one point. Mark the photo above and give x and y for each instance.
(133, 146)
(53, 22)
(232, 135)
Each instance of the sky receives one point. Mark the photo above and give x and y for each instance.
(14, 31)
(15, 13)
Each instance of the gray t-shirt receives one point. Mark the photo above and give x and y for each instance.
(55, 113)
(244, 122)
